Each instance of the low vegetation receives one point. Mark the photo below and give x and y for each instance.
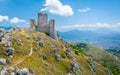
(38, 54)
(101, 56)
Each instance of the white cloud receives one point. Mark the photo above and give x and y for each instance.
(84, 10)
(89, 27)
(4, 18)
(56, 7)
(16, 20)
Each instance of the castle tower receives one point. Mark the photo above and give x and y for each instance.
(42, 19)
(52, 29)
(45, 19)
(32, 24)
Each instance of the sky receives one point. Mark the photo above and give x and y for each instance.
(86, 15)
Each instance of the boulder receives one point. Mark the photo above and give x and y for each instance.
(31, 71)
(3, 72)
(58, 57)
(9, 51)
(12, 73)
(41, 44)
(74, 66)
(9, 44)
(44, 57)
(19, 42)
(24, 71)
(35, 38)
(68, 53)
(55, 51)
(2, 61)
(91, 63)
(92, 66)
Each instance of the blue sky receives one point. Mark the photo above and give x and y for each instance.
(69, 14)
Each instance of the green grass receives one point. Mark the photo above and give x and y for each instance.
(101, 56)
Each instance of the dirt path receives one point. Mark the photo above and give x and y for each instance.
(31, 51)
(22, 60)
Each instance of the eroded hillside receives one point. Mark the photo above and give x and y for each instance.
(26, 52)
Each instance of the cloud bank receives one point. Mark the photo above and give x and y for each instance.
(56, 7)
(4, 18)
(90, 27)
(16, 20)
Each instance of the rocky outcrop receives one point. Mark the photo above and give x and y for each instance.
(9, 51)
(68, 53)
(24, 71)
(41, 44)
(58, 57)
(2, 61)
(91, 63)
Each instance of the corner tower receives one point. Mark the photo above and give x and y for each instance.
(42, 19)
(32, 24)
(52, 29)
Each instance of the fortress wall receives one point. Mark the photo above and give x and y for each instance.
(43, 29)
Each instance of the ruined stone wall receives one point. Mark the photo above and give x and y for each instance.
(52, 29)
(32, 24)
(43, 29)
(44, 26)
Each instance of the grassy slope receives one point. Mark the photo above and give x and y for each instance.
(50, 65)
(106, 59)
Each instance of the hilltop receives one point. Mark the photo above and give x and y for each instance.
(26, 52)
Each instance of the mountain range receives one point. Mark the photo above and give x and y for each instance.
(103, 38)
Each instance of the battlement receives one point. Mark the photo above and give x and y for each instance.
(44, 26)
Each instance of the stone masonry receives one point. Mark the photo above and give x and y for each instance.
(44, 26)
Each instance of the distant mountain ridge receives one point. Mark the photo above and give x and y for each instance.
(6, 27)
(100, 38)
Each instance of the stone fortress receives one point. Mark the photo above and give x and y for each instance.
(44, 26)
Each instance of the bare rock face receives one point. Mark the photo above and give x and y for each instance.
(2, 61)
(9, 51)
